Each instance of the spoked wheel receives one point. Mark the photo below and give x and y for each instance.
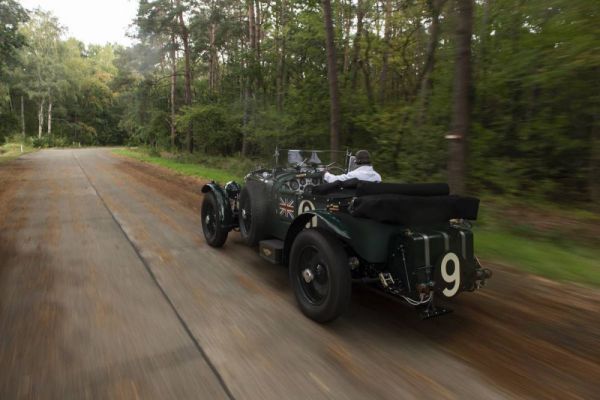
(320, 275)
(253, 213)
(211, 222)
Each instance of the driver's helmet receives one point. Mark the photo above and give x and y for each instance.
(363, 157)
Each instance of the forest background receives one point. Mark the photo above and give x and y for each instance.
(498, 97)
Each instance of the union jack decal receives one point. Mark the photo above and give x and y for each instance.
(286, 207)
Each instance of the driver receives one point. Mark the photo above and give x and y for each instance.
(363, 172)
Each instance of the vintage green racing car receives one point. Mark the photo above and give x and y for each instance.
(411, 241)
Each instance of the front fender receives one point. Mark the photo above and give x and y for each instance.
(314, 219)
(226, 216)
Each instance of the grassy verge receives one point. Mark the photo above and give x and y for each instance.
(556, 260)
(561, 243)
(184, 167)
(10, 151)
(546, 240)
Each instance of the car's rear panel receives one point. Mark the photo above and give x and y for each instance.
(416, 255)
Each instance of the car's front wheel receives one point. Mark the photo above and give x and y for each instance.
(211, 222)
(319, 275)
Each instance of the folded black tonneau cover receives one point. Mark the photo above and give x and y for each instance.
(364, 188)
(414, 210)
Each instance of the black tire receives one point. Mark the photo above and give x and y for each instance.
(327, 295)
(253, 213)
(211, 222)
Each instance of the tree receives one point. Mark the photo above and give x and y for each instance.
(461, 105)
(12, 15)
(334, 124)
(41, 61)
(383, 80)
(256, 74)
(425, 80)
(158, 25)
(184, 34)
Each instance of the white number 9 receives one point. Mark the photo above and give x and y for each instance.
(454, 277)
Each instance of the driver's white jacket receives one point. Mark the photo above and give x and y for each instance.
(363, 173)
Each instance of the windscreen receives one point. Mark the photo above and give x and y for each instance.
(309, 158)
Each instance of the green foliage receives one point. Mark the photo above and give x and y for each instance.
(14, 148)
(212, 128)
(535, 96)
(11, 16)
(563, 261)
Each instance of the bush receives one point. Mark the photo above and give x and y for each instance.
(214, 132)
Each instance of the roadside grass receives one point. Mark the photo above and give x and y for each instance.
(559, 260)
(187, 168)
(561, 243)
(12, 150)
(510, 231)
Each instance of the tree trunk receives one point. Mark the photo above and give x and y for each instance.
(41, 119)
(249, 83)
(212, 67)
(281, 78)
(360, 13)
(254, 32)
(424, 83)
(258, 27)
(386, 51)
(260, 86)
(49, 116)
(482, 63)
(22, 116)
(334, 123)
(173, 90)
(347, 25)
(365, 65)
(187, 73)
(251, 25)
(461, 110)
(245, 120)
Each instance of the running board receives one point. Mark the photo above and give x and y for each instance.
(271, 250)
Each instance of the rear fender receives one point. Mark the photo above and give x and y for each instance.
(225, 213)
(314, 219)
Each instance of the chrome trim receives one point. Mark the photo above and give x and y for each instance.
(463, 240)
(446, 240)
(401, 248)
(426, 245)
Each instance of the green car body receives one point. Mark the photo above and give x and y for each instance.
(410, 262)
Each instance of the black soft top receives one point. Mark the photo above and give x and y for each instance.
(402, 203)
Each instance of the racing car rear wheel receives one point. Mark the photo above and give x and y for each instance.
(319, 275)
(253, 213)
(211, 222)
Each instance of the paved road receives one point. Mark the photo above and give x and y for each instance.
(108, 290)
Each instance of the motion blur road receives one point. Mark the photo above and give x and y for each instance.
(108, 290)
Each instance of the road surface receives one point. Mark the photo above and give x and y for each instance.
(108, 290)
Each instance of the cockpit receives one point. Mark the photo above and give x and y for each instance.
(305, 168)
